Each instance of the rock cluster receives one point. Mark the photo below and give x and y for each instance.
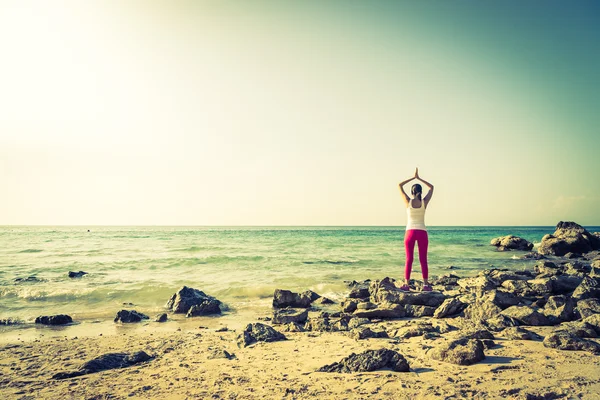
(569, 237)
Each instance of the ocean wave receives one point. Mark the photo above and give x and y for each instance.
(30, 251)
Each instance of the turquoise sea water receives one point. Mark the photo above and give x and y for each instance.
(239, 265)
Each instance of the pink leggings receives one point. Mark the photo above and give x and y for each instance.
(419, 236)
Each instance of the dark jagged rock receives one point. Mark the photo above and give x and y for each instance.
(349, 305)
(571, 256)
(477, 334)
(286, 298)
(501, 298)
(529, 288)
(161, 318)
(547, 269)
(355, 322)
(328, 323)
(419, 311)
(359, 292)
(323, 300)
(564, 341)
(482, 309)
(207, 307)
(257, 332)
(415, 330)
(580, 329)
(385, 291)
(460, 351)
(559, 308)
(594, 321)
(447, 280)
(449, 307)
(568, 237)
(588, 307)
(383, 310)
(526, 316)
(587, 289)
(185, 298)
(478, 284)
(60, 319)
(129, 316)
(293, 327)
(370, 360)
(518, 333)
(564, 284)
(500, 322)
(501, 275)
(511, 242)
(106, 362)
(576, 268)
(79, 274)
(287, 315)
(365, 332)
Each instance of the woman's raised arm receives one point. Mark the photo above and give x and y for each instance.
(401, 186)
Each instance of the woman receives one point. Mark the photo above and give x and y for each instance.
(415, 229)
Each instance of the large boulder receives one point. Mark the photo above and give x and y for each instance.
(559, 309)
(185, 298)
(370, 360)
(588, 288)
(460, 351)
(287, 315)
(565, 341)
(257, 332)
(449, 307)
(588, 307)
(511, 242)
(286, 298)
(130, 316)
(569, 237)
(526, 315)
(60, 319)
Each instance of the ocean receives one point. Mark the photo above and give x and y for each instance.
(241, 266)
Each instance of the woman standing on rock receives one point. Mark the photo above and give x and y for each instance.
(415, 229)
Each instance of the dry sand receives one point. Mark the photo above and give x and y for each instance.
(190, 364)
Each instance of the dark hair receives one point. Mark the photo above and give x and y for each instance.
(416, 190)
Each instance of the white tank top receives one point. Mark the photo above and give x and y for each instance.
(416, 216)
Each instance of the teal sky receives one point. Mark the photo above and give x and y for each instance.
(298, 113)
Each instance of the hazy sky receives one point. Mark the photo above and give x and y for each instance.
(298, 113)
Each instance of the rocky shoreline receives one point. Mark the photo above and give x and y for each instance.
(492, 328)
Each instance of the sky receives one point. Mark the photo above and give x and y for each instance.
(298, 112)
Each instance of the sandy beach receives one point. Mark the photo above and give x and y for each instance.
(191, 364)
